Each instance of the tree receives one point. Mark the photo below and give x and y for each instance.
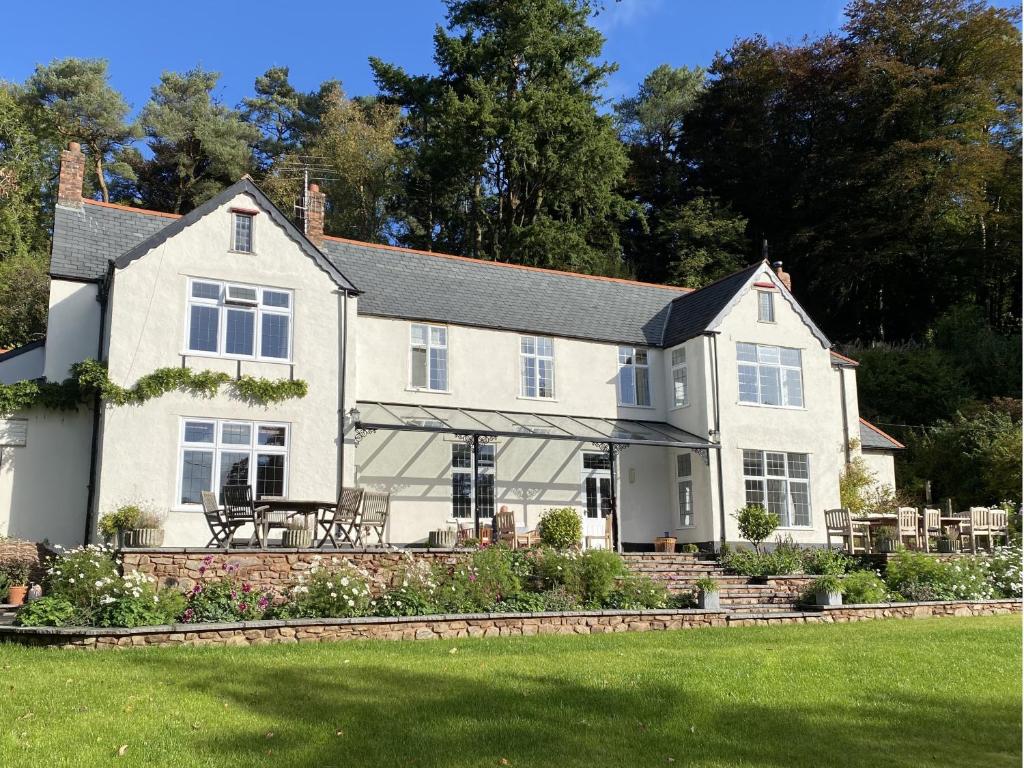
(508, 157)
(678, 234)
(80, 105)
(756, 524)
(352, 148)
(198, 145)
(24, 294)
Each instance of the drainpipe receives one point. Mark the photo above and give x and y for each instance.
(102, 292)
(846, 418)
(342, 358)
(614, 500)
(476, 493)
(718, 436)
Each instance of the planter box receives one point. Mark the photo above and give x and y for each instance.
(665, 544)
(888, 546)
(828, 598)
(709, 601)
(442, 538)
(949, 546)
(144, 538)
(296, 538)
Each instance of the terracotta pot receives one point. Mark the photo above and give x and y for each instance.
(665, 544)
(16, 594)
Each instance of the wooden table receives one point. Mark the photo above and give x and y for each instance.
(291, 508)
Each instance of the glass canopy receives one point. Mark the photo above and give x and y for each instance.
(473, 421)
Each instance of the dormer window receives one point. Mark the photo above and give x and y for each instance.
(765, 307)
(241, 231)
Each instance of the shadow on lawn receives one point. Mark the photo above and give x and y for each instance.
(394, 717)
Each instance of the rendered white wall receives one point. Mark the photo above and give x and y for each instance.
(27, 365)
(883, 465)
(73, 326)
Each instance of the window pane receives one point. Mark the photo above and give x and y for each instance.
(274, 332)
(236, 434)
(196, 475)
(754, 492)
(604, 486)
(206, 290)
(684, 465)
(545, 346)
(641, 357)
(419, 335)
(241, 327)
(679, 386)
(234, 468)
(530, 376)
(794, 388)
(269, 474)
(276, 299)
(686, 503)
(485, 494)
(203, 328)
(767, 354)
(271, 436)
(797, 465)
(771, 386)
(462, 456)
(766, 307)
(198, 432)
(527, 345)
(462, 495)
(627, 390)
(746, 352)
(801, 503)
(748, 384)
(243, 232)
(643, 386)
(776, 464)
(596, 461)
(679, 356)
(777, 500)
(439, 337)
(590, 490)
(419, 367)
(546, 378)
(625, 355)
(752, 464)
(790, 356)
(438, 368)
(485, 456)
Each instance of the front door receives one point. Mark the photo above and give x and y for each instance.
(597, 495)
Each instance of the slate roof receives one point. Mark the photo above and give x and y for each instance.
(692, 313)
(86, 239)
(402, 283)
(872, 438)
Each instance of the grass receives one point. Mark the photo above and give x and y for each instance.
(886, 693)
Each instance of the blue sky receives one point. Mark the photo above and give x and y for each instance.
(319, 41)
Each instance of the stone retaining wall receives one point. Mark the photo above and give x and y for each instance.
(473, 625)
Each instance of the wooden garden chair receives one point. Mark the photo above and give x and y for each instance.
(977, 526)
(605, 538)
(998, 524)
(374, 517)
(343, 519)
(931, 525)
(907, 526)
(240, 509)
(220, 527)
(507, 533)
(839, 522)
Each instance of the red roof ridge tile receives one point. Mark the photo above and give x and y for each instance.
(120, 207)
(884, 434)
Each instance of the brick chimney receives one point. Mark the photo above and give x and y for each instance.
(72, 173)
(782, 275)
(315, 200)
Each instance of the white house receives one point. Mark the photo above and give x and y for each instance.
(454, 384)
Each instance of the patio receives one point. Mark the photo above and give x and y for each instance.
(917, 528)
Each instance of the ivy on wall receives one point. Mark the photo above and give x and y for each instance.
(89, 378)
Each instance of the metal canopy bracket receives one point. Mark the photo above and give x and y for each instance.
(361, 432)
(704, 455)
(611, 448)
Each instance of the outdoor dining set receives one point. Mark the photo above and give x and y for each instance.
(357, 518)
(915, 528)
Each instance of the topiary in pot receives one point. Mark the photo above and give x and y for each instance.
(828, 590)
(560, 528)
(708, 594)
(756, 524)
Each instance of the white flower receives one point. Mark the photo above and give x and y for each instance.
(344, 581)
(334, 594)
(351, 603)
(99, 583)
(71, 581)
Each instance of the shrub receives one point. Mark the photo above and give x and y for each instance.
(636, 592)
(1004, 571)
(826, 562)
(706, 584)
(916, 576)
(499, 573)
(787, 557)
(124, 518)
(131, 601)
(559, 600)
(226, 599)
(756, 524)
(527, 602)
(682, 600)
(751, 563)
(415, 595)
(15, 571)
(864, 587)
(337, 590)
(79, 575)
(47, 612)
(560, 528)
(829, 584)
(557, 570)
(599, 571)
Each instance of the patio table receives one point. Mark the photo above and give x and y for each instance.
(293, 507)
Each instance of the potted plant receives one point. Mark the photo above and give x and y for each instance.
(885, 539)
(707, 594)
(665, 543)
(296, 534)
(116, 526)
(148, 532)
(17, 572)
(949, 541)
(828, 590)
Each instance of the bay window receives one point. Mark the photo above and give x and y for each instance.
(240, 321)
(634, 377)
(219, 452)
(779, 482)
(770, 375)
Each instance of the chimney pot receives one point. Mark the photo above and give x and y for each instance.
(782, 275)
(314, 187)
(72, 174)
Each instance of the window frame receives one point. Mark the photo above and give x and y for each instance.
(235, 216)
(537, 357)
(633, 367)
(219, 447)
(761, 296)
(428, 327)
(260, 310)
(789, 522)
(757, 365)
(687, 481)
(673, 368)
(474, 469)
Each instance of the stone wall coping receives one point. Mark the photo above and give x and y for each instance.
(292, 551)
(847, 606)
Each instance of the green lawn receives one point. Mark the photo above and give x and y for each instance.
(885, 693)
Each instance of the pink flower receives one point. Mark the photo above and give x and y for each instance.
(246, 588)
(196, 590)
(242, 607)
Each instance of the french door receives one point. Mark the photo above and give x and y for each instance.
(597, 493)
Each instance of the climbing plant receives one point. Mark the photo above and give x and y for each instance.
(89, 378)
